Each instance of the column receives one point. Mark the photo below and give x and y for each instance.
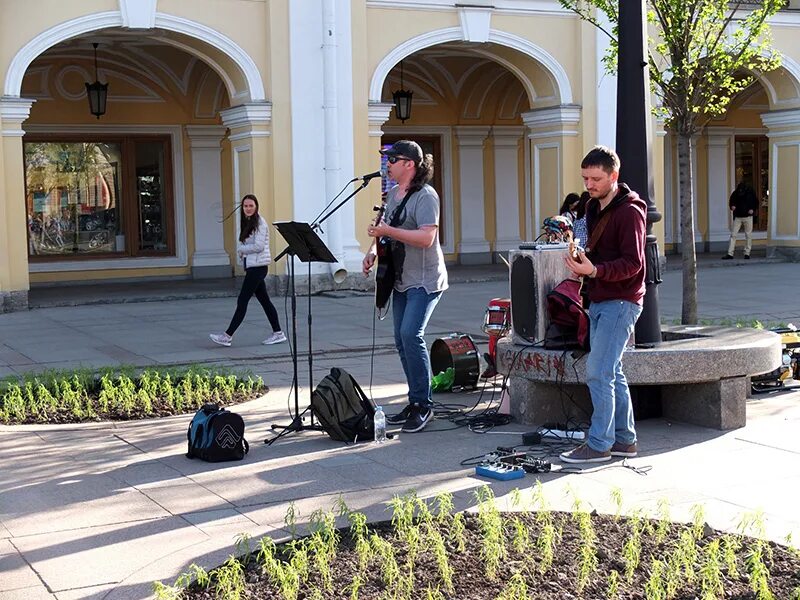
(251, 160)
(720, 184)
(378, 113)
(554, 159)
(784, 182)
(473, 248)
(506, 187)
(210, 258)
(14, 280)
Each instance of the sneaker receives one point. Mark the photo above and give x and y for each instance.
(728, 257)
(223, 339)
(747, 257)
(624, 450)
(420, 415)
(400, 417)
(585, 454)
(277, 337)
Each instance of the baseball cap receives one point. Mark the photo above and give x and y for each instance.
(406, 149)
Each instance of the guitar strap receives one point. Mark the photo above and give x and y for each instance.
(395, 221)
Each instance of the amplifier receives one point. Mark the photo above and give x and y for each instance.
(534, 273)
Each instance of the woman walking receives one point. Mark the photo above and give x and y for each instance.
(253, 250)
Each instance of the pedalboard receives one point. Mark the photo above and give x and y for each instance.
(502, 472)
(505, 464)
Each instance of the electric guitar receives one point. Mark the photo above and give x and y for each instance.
(384, 273)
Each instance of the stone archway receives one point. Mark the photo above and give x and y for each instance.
(221, 53)
(556, 73)
(499, 179)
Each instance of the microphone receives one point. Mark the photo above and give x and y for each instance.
(370, 176)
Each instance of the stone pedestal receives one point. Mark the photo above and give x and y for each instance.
(718, 404)
(701, 375)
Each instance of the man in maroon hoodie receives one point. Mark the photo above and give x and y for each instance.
(613, 268)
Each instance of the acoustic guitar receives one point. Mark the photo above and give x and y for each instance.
(384, 273)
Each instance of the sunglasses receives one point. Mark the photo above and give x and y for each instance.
(394, 159)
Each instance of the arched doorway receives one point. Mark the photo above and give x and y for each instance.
(496, 118)
(143, 190)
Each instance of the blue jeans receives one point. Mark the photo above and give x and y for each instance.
(610, 326)
(411, 310)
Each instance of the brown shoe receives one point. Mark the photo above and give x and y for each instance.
(585, 454)
(625, 450)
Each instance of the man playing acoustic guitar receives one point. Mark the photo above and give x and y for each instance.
(411, 226)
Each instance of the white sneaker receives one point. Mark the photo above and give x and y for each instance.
(276, 338)
(223, 339)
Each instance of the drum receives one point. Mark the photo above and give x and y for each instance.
(458, 351)
(497, 320)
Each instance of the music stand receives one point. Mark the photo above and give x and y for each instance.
(306, 245)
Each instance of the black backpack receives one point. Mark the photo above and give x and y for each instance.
(569, 323)
(342, 408)
(216, 435)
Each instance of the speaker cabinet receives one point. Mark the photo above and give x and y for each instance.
(534, 273)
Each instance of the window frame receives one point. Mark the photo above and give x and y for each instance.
(128, 194)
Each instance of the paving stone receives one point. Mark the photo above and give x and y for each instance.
(104, 555)
(16, 573)
(74, 503)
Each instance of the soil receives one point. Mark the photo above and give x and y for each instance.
(560, 581)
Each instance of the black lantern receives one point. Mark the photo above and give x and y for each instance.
(97, 92)
(402, 100)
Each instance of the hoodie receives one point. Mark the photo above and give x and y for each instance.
(619, 253)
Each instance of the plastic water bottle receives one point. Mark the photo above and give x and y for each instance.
(379, 421)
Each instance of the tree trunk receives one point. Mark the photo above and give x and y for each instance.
(688, 256)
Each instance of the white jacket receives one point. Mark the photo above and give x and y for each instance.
(255, 248)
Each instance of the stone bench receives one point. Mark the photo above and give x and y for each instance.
(700, 373)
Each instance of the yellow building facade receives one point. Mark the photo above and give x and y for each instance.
(209, 100)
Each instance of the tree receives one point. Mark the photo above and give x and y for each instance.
(701, 54)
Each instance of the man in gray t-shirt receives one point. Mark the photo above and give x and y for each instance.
(412, 226)
(415, 266)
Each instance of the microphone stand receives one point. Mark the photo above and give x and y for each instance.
(319, 221)
(297, 421)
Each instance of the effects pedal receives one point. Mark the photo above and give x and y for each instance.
(502, 472)
(535, 465)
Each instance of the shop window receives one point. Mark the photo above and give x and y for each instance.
(98, 198)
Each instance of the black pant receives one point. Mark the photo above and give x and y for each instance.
(254, 284)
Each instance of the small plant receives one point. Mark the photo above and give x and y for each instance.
(402, 512)
(390, 571)
(612, 592)
(444, 507)
(616, 497)
(516, 589)
(229, 580)
(360, 533)
(587, 550)
(196, 573)
(457, 529)
(654, 588)
(521, 540)
(290, 519)
(166, 592)
(434, 594)
(730, 548)
(698, 521)
(758, 572)
(711, 586)
(632, 550)
(243, 548)
(546, 546)
(493, 549)
(662, 529)
(442, 562)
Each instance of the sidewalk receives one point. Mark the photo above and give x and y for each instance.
(101, 510)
